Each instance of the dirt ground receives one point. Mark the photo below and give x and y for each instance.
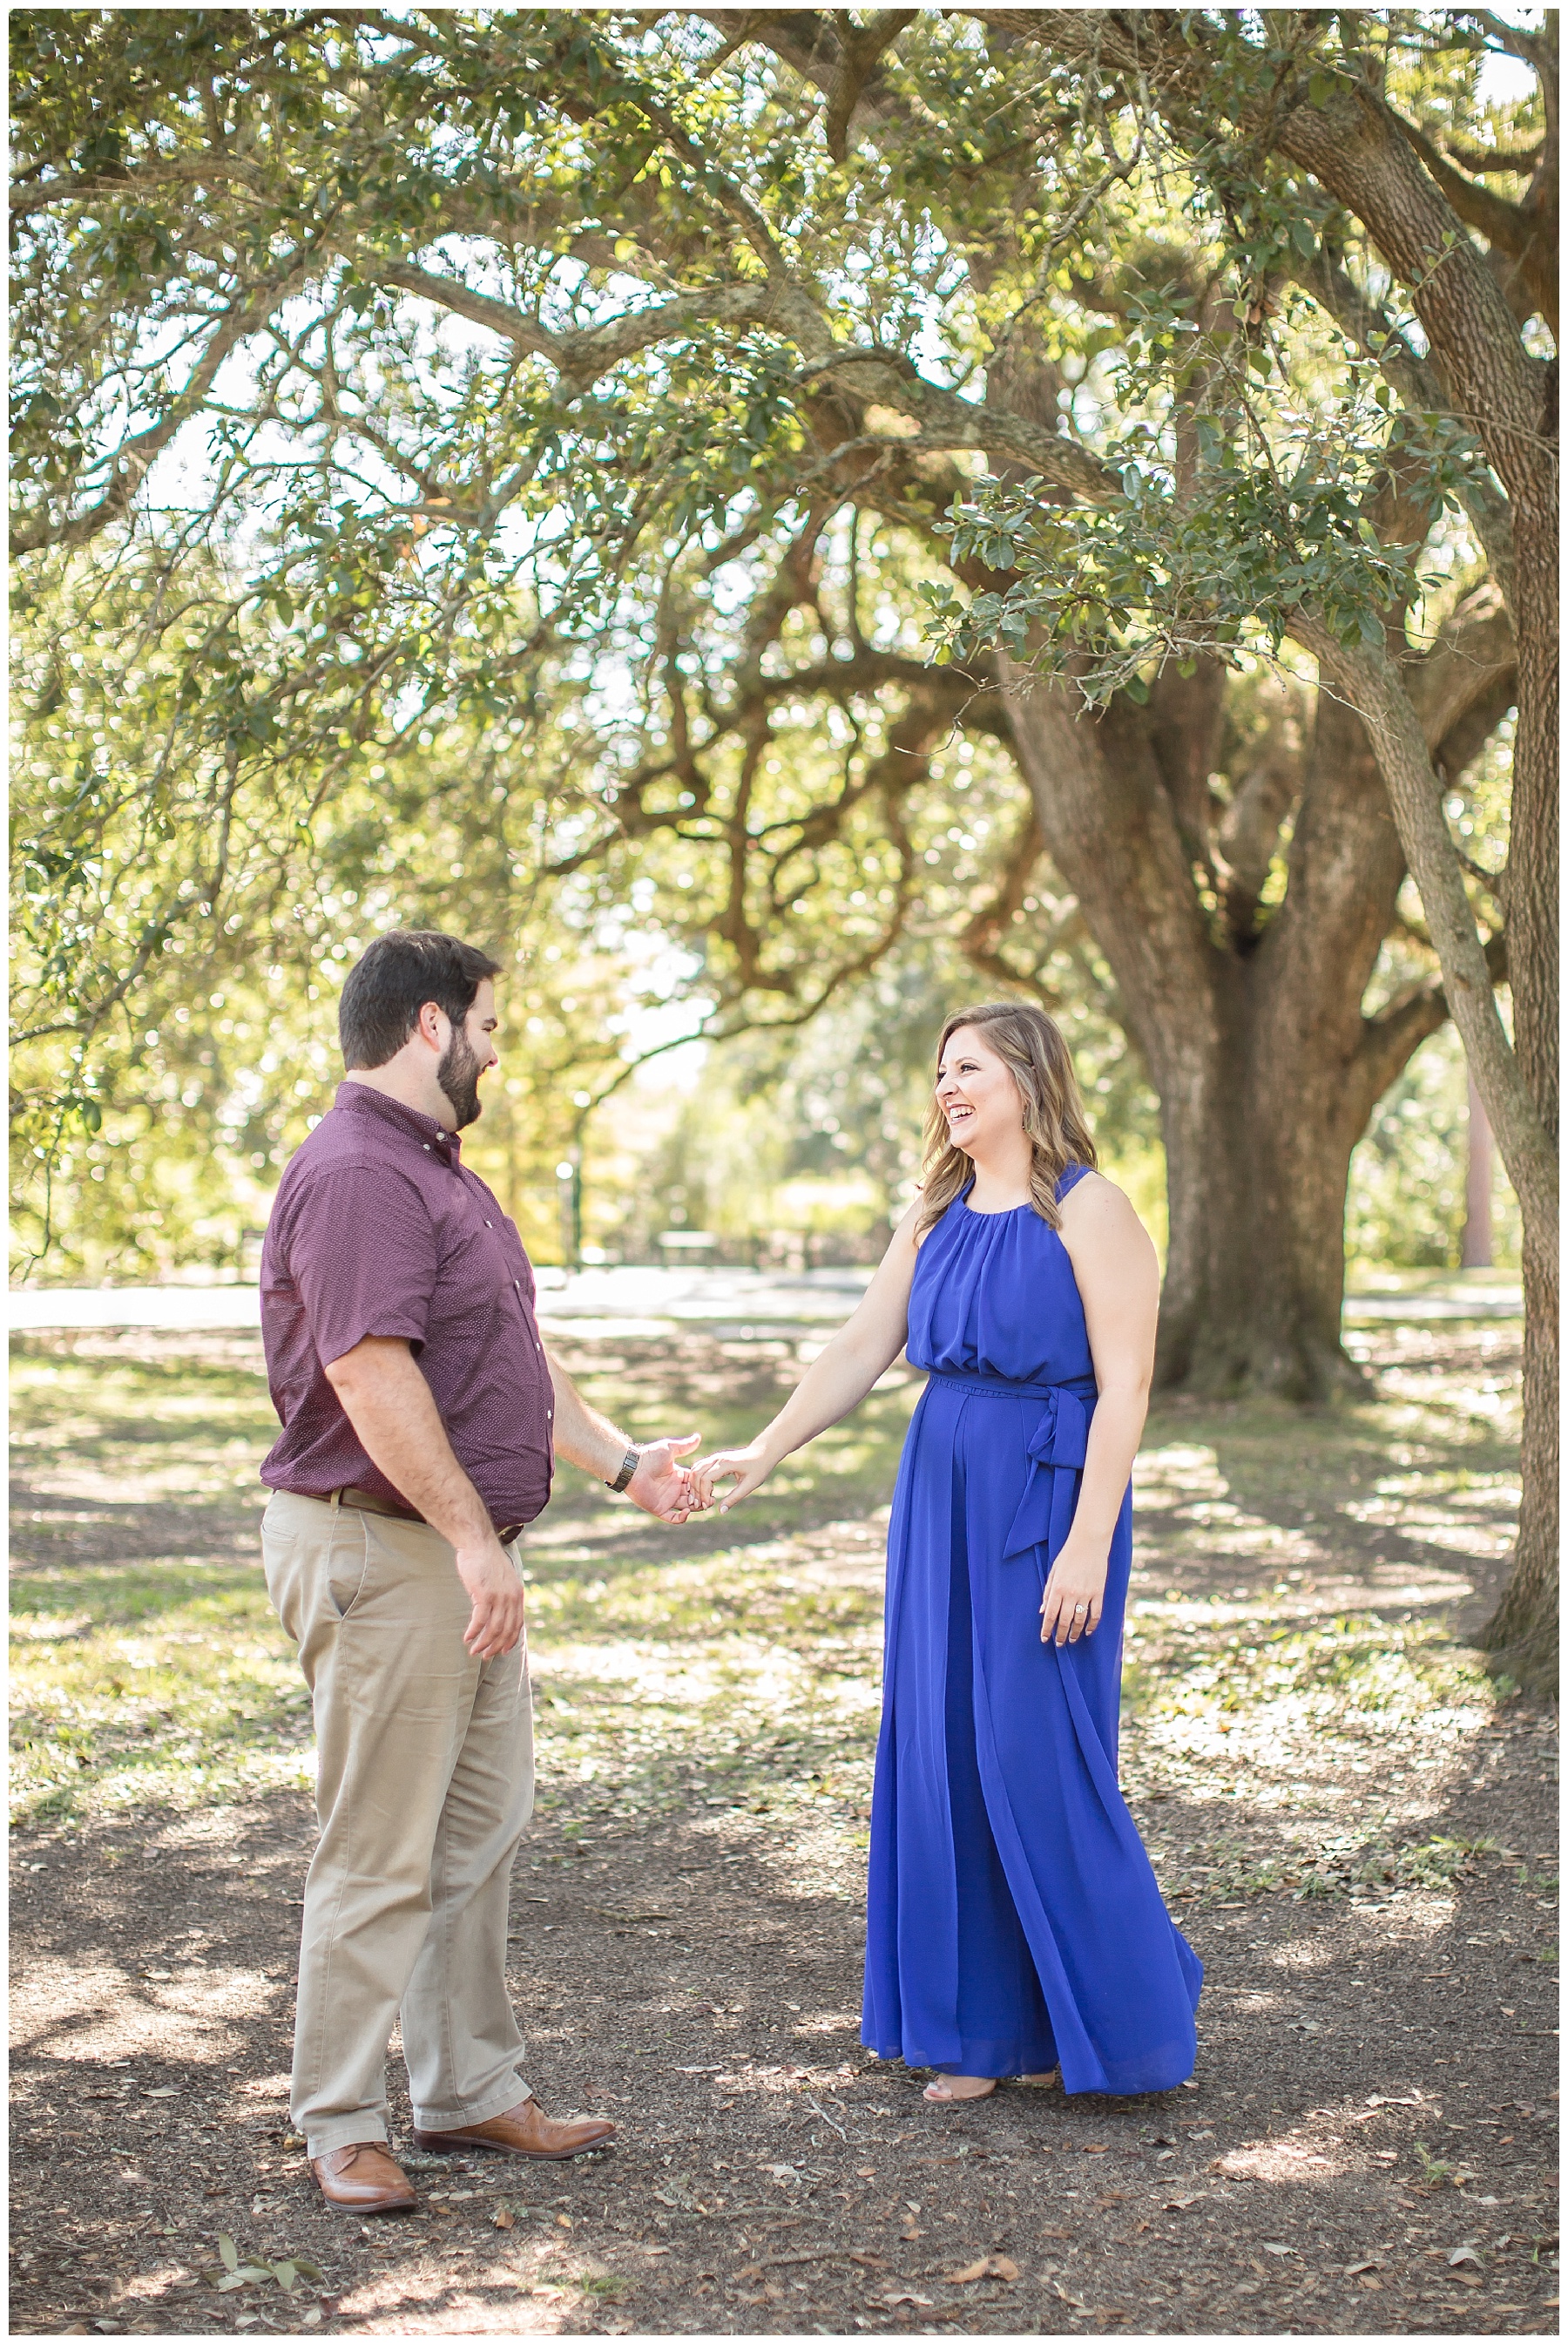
(1356, 1833)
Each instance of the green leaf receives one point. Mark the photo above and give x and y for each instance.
(228, 2252)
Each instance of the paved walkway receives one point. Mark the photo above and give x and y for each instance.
(629, 1301)
(623, 1301)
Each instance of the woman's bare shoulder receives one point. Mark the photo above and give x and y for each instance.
(1091, 1188)
(1095, 1206)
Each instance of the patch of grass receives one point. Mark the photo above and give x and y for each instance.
(1362, 1667)
(667, 1676)
(732, 1669)
(603, 2286)
(728, 1680)
(165, 1684)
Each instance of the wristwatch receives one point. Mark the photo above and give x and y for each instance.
(628, 1466)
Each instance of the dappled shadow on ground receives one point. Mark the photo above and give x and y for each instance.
(1353, 1833)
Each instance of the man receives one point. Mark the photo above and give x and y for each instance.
(420, 1414)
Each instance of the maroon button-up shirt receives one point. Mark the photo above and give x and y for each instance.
(379, 1228)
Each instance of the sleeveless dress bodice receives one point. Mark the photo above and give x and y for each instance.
(994, 1294)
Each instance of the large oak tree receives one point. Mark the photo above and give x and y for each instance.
(456, 345)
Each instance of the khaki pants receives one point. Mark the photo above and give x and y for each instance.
(426, 1781)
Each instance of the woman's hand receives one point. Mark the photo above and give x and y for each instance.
(1074, 1595)
(747, 1468)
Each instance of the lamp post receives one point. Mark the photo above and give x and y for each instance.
(569, 1195)
(1475, 1247)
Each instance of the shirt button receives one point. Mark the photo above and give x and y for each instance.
(548, 1413)
(490, 1225)
(427, 1147)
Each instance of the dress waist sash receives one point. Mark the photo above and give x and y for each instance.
(1057, 1450)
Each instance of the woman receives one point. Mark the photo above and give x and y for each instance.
(1014, 1921)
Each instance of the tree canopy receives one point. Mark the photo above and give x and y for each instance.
(678, 430)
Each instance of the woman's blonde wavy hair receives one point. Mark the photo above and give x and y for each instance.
(1031, 1045)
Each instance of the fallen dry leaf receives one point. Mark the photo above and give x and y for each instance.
(504, 2218)
(894, 2301)
(989, 2267)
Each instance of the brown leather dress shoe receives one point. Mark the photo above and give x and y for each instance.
(363, 2179)
(525, 2131)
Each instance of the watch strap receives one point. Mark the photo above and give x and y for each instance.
(629, 1464)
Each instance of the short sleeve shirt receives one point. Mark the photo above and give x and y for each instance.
(379, 1229)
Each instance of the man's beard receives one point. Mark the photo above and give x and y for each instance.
(458, 1075)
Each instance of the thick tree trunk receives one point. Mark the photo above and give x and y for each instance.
(1255, 1280)
(1266, 1070)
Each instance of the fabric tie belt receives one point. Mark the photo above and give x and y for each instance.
(1058, 1447)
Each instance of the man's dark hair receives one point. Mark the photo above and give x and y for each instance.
(390, 983)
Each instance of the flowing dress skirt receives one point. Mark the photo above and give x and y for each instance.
(1014, 1921)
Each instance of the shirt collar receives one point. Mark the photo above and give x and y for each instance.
(358, 1098)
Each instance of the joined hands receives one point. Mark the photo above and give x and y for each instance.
(747, 1468)
(664, 1487)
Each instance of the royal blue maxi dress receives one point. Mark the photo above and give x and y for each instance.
(1014, 1921)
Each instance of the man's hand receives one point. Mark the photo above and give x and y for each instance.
(490, 1577)
(662, 1487)
(390, 1405)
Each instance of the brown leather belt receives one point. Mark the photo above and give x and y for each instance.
(364, 1502)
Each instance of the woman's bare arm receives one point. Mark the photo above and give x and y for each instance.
(1118, 1274)
(837, 1380)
